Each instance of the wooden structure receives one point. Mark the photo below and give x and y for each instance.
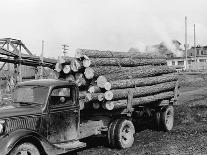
(13, 51)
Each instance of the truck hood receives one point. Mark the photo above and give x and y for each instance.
(12, 111)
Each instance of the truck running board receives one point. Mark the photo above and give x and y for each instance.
(71, 145)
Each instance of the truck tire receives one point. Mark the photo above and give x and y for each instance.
(111, 133)
(124, 134)
(157, 120)
(167, 118)
(26, 149)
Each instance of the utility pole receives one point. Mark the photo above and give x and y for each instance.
(41, 58)
(195, 43)
(65, 49)
(186, 44)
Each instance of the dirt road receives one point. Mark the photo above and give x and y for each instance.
(189, 135)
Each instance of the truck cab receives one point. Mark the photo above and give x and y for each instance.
(43, 118)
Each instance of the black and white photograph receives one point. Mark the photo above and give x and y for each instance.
(103, 77)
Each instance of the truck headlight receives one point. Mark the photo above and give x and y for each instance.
(2, 126)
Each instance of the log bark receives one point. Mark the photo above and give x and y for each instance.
(109, 54)
(102, 70)
(111, 105)
(138, 82)
(125, 62)
(140, 91)
(145, 72)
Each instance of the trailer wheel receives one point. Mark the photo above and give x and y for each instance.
(111, 132)
(167, 118)
(124, 134)
(157, 120)
(25, 149)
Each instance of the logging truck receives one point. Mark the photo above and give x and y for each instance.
(45, 118)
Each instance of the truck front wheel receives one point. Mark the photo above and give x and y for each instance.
(25, 149)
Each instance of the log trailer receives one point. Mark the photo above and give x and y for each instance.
(45, 118)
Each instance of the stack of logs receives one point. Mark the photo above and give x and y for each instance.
(106, 78)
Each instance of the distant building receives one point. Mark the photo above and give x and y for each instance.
(196, 59)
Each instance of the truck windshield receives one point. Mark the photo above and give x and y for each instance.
(30, 95)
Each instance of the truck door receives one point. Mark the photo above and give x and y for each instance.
(63, 125)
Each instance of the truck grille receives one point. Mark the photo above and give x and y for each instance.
(22, 122)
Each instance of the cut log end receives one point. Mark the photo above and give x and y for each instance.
(107, 86)
(101, 81)
(108, 95)
(89, 73)
(109, 105)
(75, 65)
(58, 67)
(80, 80)
(86, 63)
(66, 69)
(94, 89)
(100, 97)
(88, 96)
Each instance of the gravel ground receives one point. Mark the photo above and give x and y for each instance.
(189, 135)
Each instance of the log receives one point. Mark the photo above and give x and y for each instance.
(139, 91)
(107, 86)
(94, 89)
(66, 69)
(65, 60)
(86, 63)
(145, 72)
(101, 81)
(82, 104)
(76, 65)
(96, 105)
(70, 77)
(61, 60)
(111, 105)
(96, 97)
(138, 82)
(58, 67)
(125, 62)
(80, 79)
(109, 54)
(89, 73)
(102, 70)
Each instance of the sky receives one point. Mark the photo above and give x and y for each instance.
(115, 25)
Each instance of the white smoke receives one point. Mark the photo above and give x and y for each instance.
(159, 27)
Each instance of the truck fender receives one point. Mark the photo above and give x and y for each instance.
(9, 141)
